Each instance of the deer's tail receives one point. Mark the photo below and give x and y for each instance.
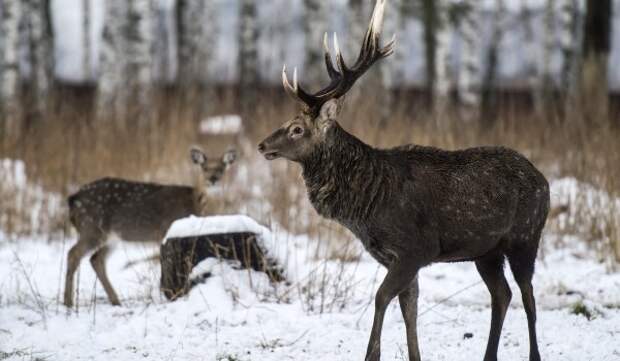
(72, 201)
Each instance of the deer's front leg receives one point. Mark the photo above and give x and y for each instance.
(398, 278)
(408, 300)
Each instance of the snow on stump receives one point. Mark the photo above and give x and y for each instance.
(237, 238)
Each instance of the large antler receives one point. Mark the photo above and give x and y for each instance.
(343, 78)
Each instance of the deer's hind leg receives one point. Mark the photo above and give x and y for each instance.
(491, 268)
(522, 266)
(75, 255)
(97, 260)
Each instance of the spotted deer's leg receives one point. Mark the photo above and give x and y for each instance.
(75, 255)
(97, 260)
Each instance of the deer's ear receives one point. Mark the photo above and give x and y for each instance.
(329, 113)
(198, 156)
(229, 157)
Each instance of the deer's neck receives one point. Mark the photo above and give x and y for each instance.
(201, 200)
(344, 178)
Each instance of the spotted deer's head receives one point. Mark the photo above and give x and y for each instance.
(213, 168)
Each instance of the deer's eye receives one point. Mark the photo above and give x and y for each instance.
(297, 130)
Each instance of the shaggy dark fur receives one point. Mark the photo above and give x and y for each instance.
(413, 205)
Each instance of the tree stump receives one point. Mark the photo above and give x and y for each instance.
(179, 255)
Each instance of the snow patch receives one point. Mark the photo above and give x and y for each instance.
(221, 124)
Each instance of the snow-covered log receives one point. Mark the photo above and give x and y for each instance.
(236, 238)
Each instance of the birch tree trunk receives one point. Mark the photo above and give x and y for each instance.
(357, 23)
(569, 38)
(389, 68)
(197, 36)
(441, 86)
(436, 41)
(315, 26)
(470, 67)
(190, 19)
(139, 67)
(489, 84)
(86, 46)
(594, 89)
(111, 68)
(9, 66)
(531, 65)
(546, 87)
(41, 44)
(248, 57)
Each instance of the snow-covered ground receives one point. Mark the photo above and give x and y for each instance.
(237, 315)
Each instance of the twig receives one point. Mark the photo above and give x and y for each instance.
(33, 290)
(448, 298)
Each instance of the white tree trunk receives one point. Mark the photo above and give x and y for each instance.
(531, 67)
(315, 26)
(196, 24)
(406, 12)
(489, 84)
(248, 56)
(390, 68)
(550, 42)
(9, 66)
(41, 51)
(358, 16)
(570, 20)
(139, 56)
(441, 86)
(111, 69)
(470, 67)
(86, 46)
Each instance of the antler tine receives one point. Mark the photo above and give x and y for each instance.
(344, 78)
(296, 91)
(342, 66)
(331, 71)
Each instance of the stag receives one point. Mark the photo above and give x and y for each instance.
(413, 205)
(109, 209)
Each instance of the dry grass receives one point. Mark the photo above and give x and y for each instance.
(70, 148)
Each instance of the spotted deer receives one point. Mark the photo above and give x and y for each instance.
(112, 208)
(413, 205)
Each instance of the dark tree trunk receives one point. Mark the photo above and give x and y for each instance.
(594, 92)
(248, 59)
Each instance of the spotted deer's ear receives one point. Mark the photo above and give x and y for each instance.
(229, 157)
(198, 156)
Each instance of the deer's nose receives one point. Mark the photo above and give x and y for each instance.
(261, 147)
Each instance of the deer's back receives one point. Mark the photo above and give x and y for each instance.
(134, 211)
(470, 200)
(461, 203)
